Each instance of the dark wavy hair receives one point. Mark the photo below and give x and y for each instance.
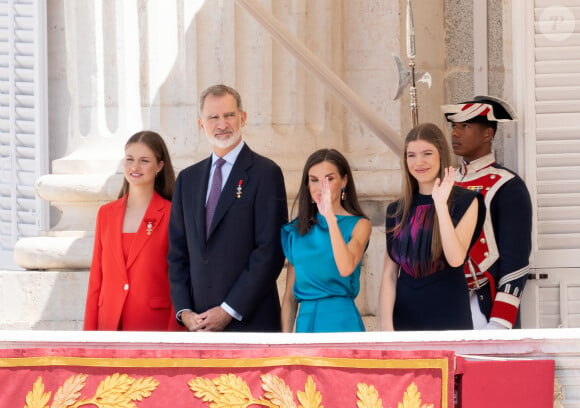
(307, 208)
(165, 179)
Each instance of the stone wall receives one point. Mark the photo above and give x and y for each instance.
(118, 67)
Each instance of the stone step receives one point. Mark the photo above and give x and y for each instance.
(42, 300)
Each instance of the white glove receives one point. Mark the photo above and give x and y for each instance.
(494, 326)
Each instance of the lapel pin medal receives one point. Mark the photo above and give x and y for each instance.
(149, 225)
(239, 189)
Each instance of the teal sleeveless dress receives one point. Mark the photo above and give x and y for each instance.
(326, 299)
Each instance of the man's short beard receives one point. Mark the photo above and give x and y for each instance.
(224, 144)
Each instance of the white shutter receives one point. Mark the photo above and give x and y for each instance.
(547, 86)
(553, 300)
(23, 127)
(557, 133)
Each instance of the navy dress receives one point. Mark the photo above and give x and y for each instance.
(326, 298)
(431, 295)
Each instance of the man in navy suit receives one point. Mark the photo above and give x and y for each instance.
(224, 262)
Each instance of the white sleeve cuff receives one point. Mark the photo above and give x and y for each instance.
(231, 311)
(178, 314)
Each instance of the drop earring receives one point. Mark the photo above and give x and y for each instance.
(342, 194)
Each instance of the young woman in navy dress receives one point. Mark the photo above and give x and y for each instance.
(429, 231)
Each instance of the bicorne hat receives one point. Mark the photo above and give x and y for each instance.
(481, 109)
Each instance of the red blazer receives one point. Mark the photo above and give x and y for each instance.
(135, 293)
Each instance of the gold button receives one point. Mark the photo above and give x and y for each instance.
(486, 254)
(482, 240)
(492, 176)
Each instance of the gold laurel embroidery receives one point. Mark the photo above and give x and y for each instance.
(204, 389)
(116, 391)
(142, 388)
(227, 390)
(37, 398)
(368, 397)
(277, 391)
(233, 388)
(230, 391)
(412, 398)
(310, 398)
(69, 392)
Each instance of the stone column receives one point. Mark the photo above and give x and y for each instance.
(94, 101)
(117, 67)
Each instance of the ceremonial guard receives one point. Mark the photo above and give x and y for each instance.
(498, 263)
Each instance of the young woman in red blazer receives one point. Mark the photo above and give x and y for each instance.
(128, 283)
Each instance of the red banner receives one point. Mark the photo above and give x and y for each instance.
(261, 377)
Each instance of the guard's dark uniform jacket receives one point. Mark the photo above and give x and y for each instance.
(498, 262)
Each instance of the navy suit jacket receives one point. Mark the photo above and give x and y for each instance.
(242, 256)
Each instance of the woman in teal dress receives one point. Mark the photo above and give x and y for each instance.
(324, 246)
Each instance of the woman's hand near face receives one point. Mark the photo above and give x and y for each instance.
(442, 189)
(324, 201)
